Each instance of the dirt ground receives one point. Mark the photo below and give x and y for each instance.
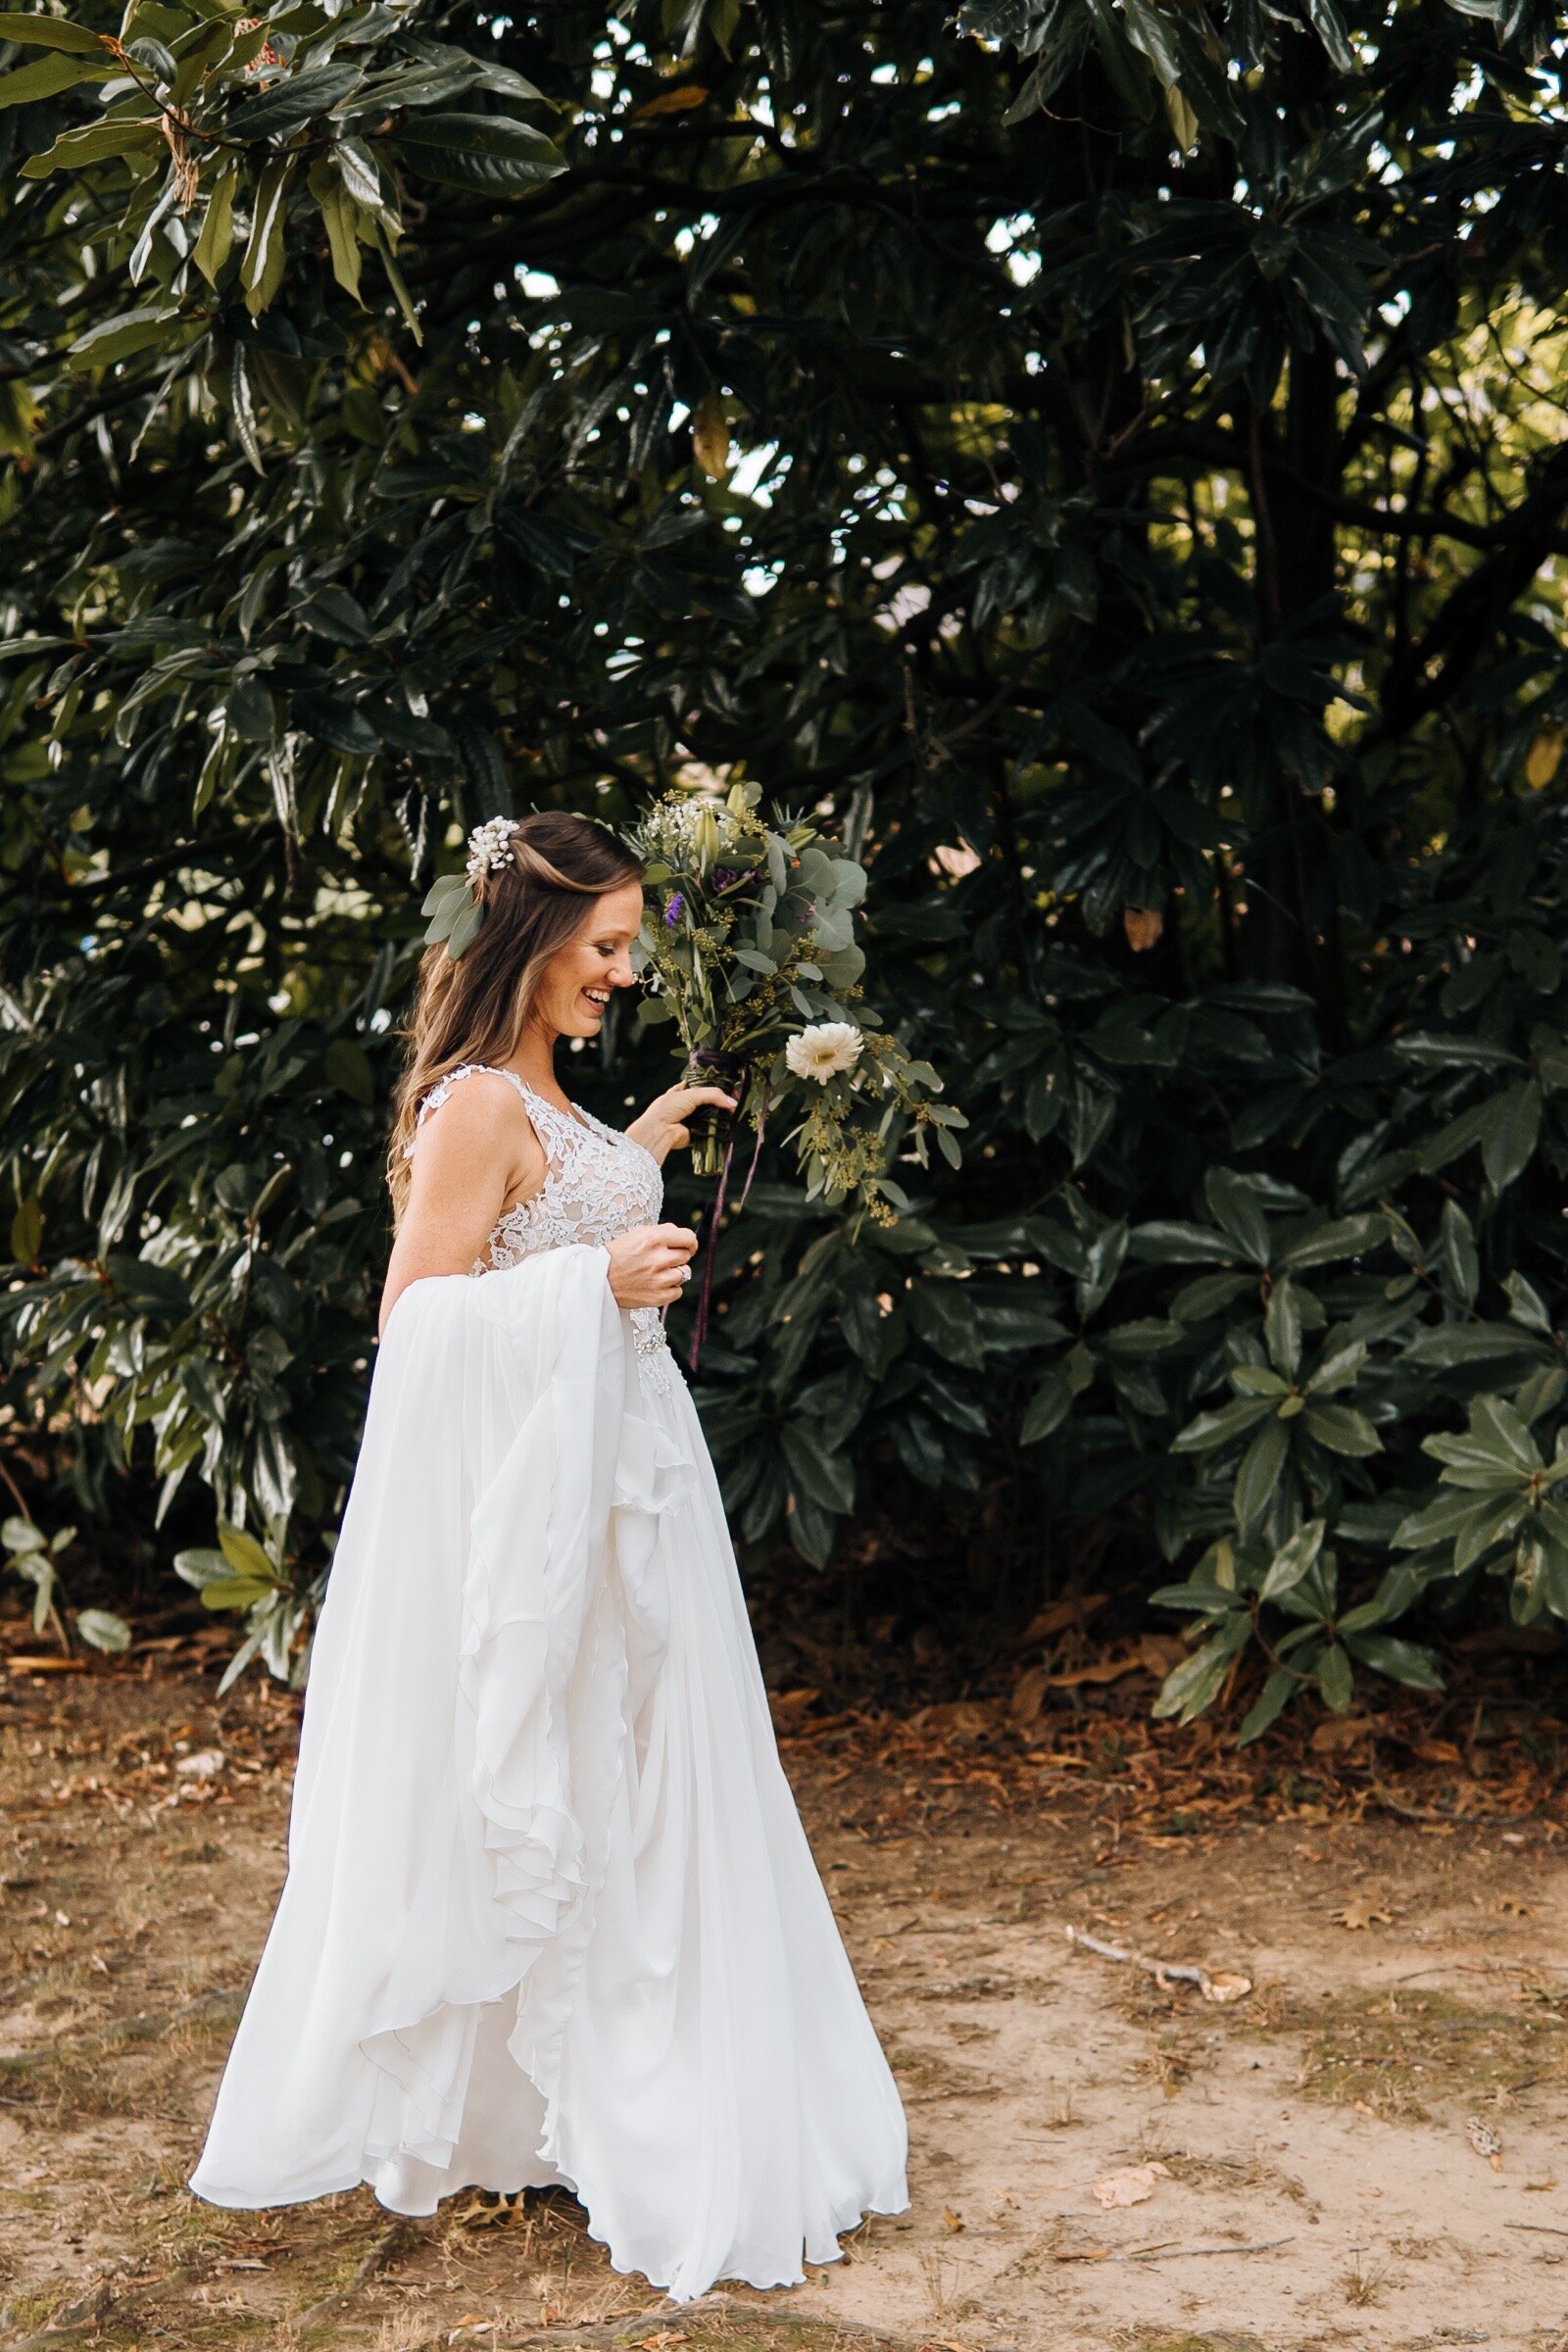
(1369, 2147)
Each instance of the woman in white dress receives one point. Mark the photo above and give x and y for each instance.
(550, 1913)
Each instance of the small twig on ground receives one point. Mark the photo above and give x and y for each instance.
(1385, 1796)
(1266, 2246)
(1540, 2228)
(1225, 1986)
(88, 2311)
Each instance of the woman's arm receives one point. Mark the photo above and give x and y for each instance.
(477, 1153)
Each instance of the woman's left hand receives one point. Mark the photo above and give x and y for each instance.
(662, 1129)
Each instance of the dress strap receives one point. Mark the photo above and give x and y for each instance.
(443, 1087)
(554, 1116)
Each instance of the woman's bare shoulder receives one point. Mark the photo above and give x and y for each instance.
(482, 1115)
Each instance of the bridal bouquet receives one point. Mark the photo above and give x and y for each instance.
(749, 948)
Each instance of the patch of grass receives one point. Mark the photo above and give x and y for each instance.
(744, 2331)
(1362, 2284)
(109, 2069)
(199, 2330)
(1398, 2053)
(1235, 2174)
(26, 2313)
(1199, 2343)
(1168, 2063)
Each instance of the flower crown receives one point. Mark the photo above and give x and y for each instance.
(453, 903)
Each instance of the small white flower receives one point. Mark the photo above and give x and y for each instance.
(823, 1049)
(490, 847)
(671, 826)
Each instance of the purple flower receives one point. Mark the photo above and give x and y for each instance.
(673, 909)
(724, 876)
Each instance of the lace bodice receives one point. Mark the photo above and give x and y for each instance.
(597, 1183)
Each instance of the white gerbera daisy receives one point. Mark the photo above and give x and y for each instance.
(823, 1049)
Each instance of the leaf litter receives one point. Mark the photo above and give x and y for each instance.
(129, 1979)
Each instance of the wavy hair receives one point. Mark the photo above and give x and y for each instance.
(476, 1009)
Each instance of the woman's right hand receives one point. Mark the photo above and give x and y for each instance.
(648, 1266)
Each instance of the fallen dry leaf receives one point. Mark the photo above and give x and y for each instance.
(1133, 2185)
(959, 1718)
(792, 1702)
(1224, 1985)
(1098, 1670)
(951, 2219)
(1340, 1732)
(672, 102)
(1059, 1615)
(1357, 1913)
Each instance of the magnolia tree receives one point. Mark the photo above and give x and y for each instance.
(1097, 462)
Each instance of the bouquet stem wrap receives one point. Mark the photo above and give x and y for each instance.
(713, 1129)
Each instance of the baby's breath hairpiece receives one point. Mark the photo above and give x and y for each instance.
(453, 903)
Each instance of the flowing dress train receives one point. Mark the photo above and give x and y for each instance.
(550, 1912)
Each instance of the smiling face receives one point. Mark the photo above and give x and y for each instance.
(579, 978)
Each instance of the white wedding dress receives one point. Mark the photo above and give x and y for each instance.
(550, 1914)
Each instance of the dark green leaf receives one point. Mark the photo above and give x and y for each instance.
(1512, 1130)
(1335, 1679)
(1222, 1425)
(36, 28)
(1259, 1474)
(1189, 1688)
(1273, 1697)
(487, 152)
(278, 113)
(1342, 1429)
(826, 1477)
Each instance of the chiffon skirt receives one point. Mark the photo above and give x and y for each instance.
(550, 1913)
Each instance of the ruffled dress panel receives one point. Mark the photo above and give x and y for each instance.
(550, 1912)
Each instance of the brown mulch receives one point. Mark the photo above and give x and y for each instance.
(1062, 1714)
(1059, 1720)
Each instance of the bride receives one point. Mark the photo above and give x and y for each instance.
(550, 1913)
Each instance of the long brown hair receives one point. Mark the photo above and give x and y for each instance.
(475, 1010)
